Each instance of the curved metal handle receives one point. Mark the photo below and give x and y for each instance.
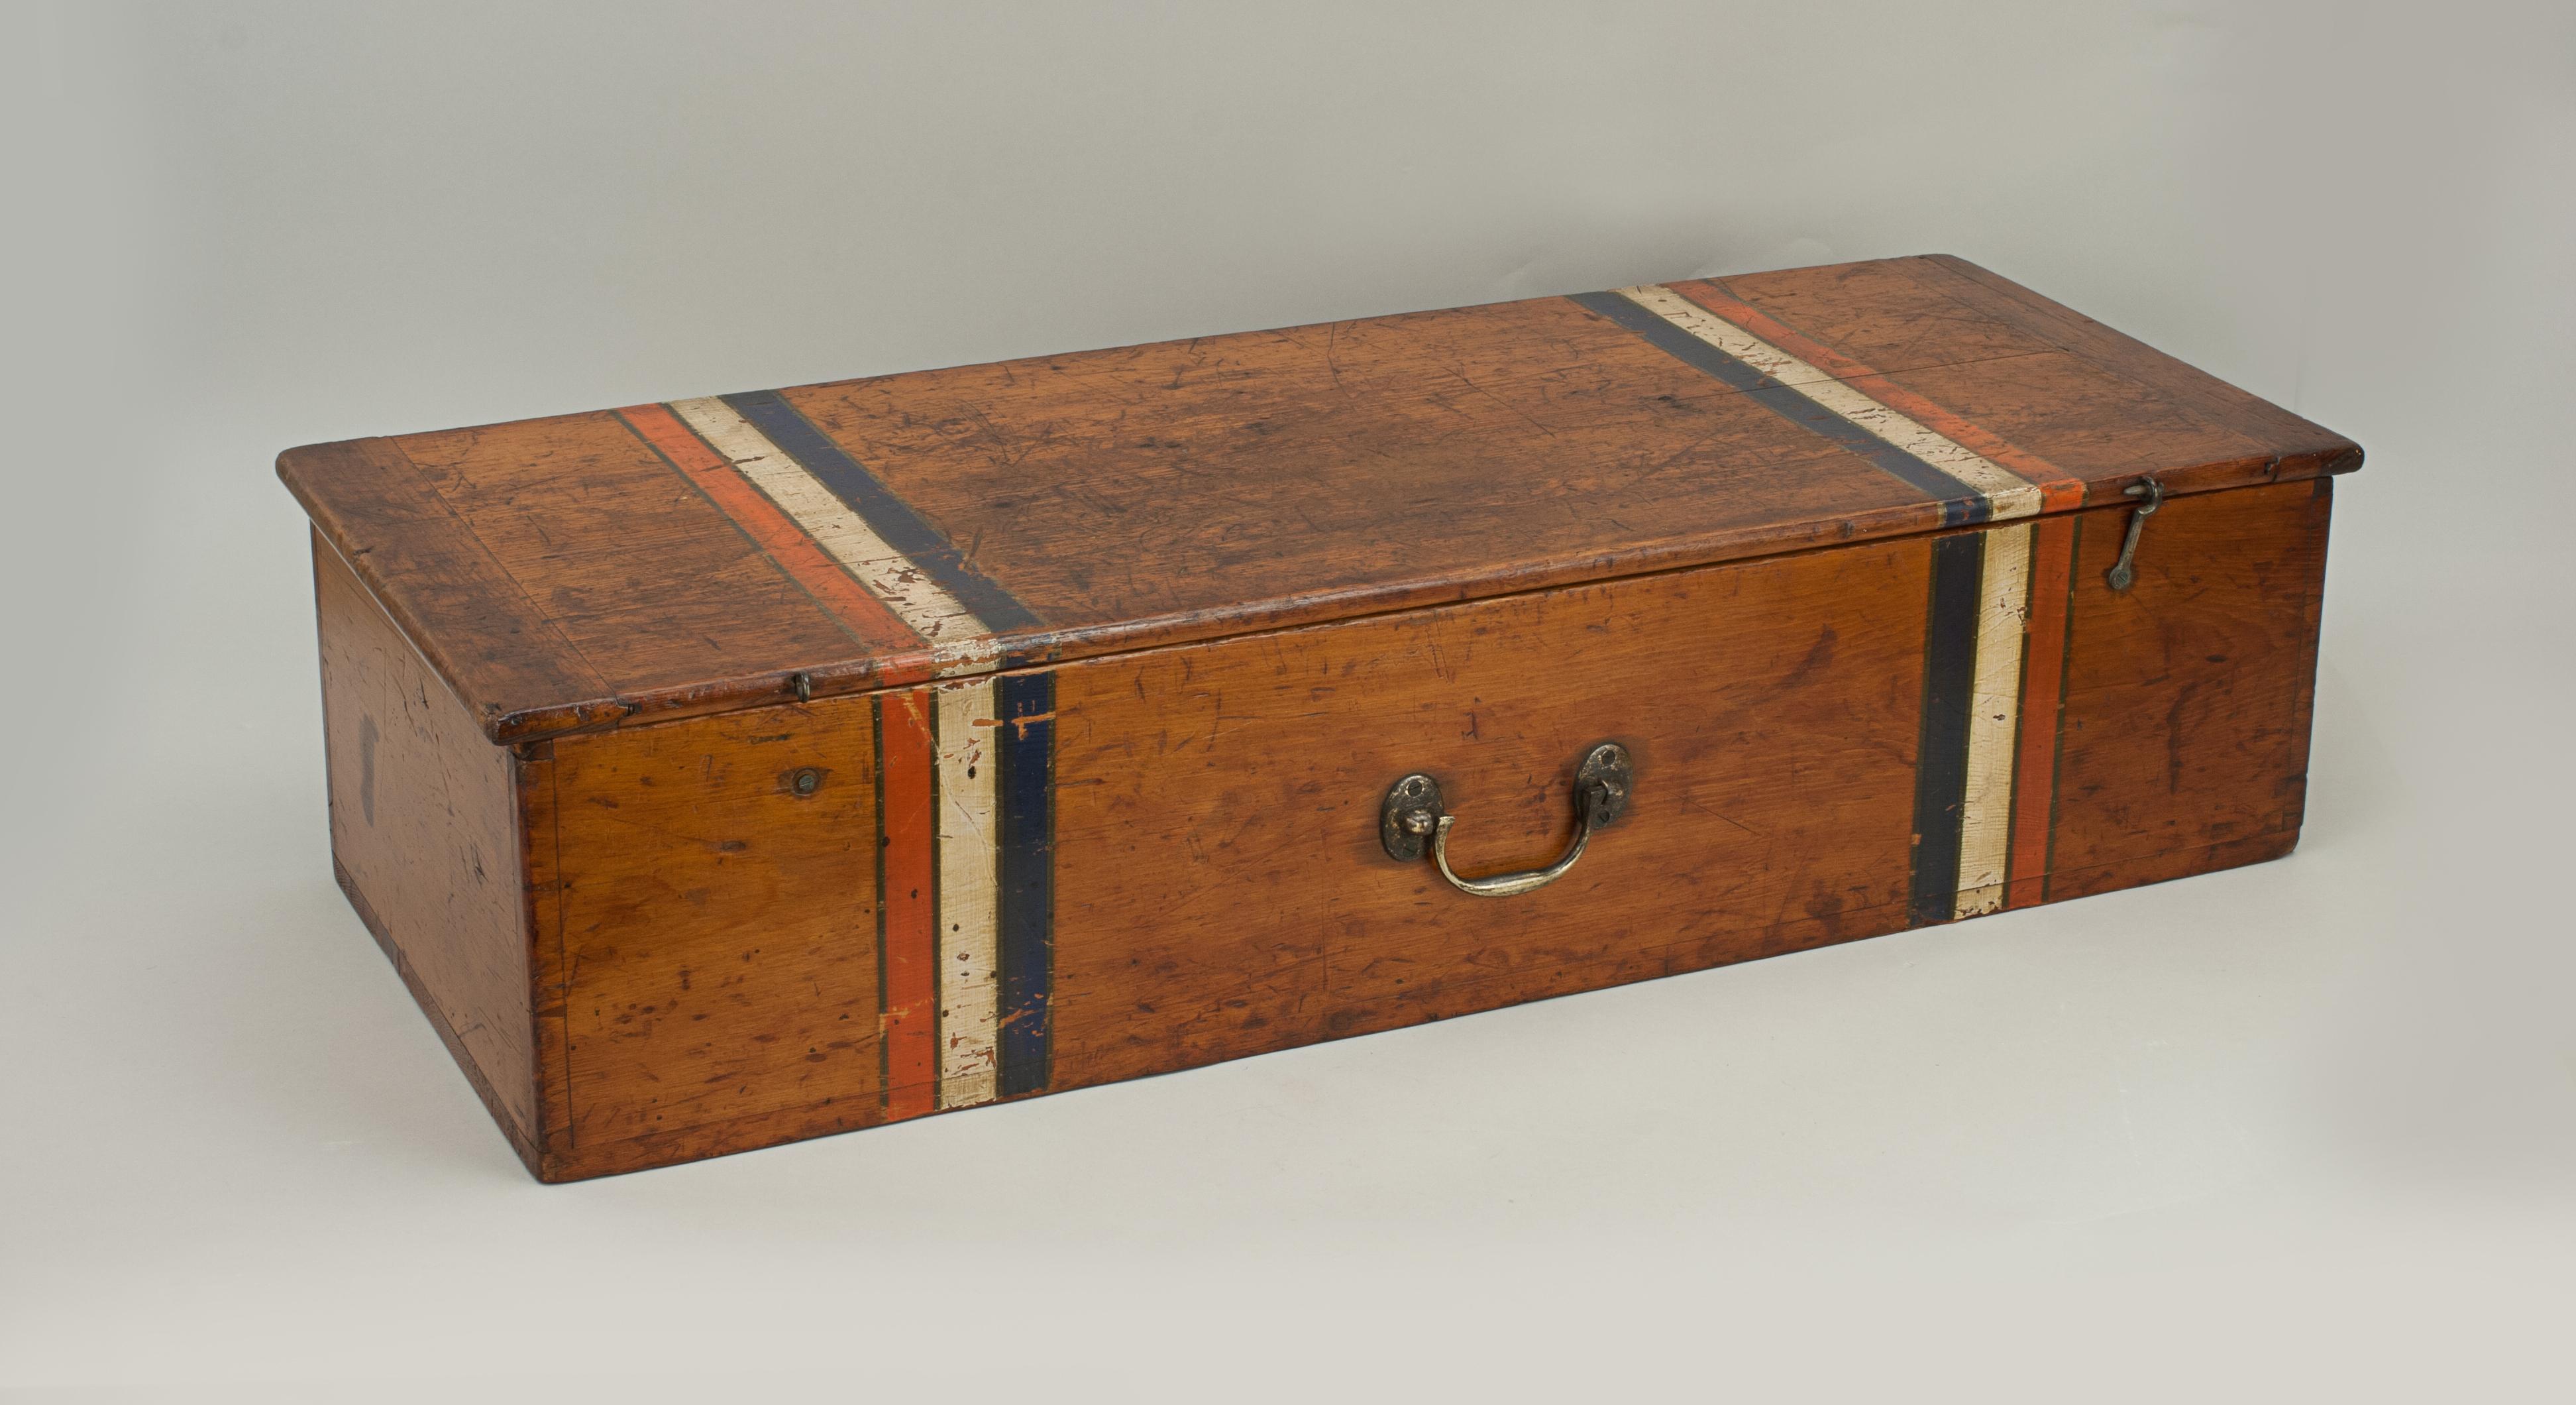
(1413, 813)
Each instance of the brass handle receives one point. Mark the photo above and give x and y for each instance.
(1413, 813)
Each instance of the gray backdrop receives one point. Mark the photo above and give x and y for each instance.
(2280, 1131)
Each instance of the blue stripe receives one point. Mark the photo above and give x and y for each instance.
(876, 504)
(1960, 502)
(1025, 705)
(1941, 746)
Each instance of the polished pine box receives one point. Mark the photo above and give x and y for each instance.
(744, 768)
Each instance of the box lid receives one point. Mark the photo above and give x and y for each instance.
(700, 555)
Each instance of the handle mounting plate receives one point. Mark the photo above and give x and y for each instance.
(1411, 812)
(1413, 818)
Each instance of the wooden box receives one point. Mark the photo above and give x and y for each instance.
(734, 770)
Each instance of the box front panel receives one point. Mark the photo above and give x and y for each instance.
(1129, 865)
(1222, 886)
(707, 943)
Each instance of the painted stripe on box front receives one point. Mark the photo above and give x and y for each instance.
(908, 905)
(1994, 705)
(2052, 583)
(1941, 747)
(1027, 925)
(969, 1011)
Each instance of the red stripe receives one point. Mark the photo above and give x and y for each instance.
(2058, 490)
(911, 905)
(786, 543)
(2043, 680)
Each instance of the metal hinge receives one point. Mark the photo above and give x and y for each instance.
(2151, 495)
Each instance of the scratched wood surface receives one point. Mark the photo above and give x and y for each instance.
(565, 573)
(425, 841)
(744, 768)
(2187, 696)
(706, 947)
(706, 942)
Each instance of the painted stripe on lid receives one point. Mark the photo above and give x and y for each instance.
(958, 637)
(2043, 682)
(2058, 489)
(1027, 921)
(2006, 492)
(1941, 746)
(1959, 501)
(969, 1009)
(776, 534)
(893, 518)
(1994, 703)
(1969, 487)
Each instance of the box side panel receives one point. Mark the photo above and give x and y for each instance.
(1131, 865)
(425, 841)
(708, 935)
(2188, 695)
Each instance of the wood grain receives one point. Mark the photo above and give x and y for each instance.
(803, 558)
(574, 668)
(1220, 891)
(626, 553)
(715, 953)
(1193, 490)
(484, 636)
(425, 840)
(2058, 490)
(1220, 886)
(2304, 448)
(2186, 695)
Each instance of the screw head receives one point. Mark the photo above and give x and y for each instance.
(806, 781)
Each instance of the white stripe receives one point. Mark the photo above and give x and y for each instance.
(2009, 495)
(960, 642)
(969, 880)
(1985, 815)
